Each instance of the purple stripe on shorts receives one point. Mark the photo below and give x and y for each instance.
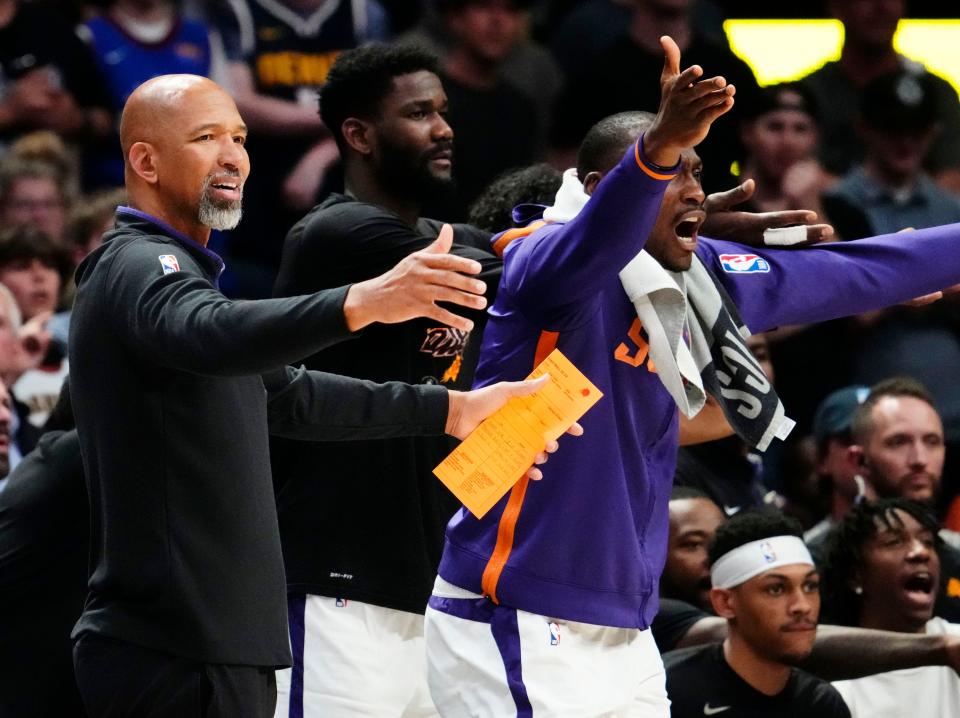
(296, 607)
(506, 634)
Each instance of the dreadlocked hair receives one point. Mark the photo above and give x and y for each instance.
(844, 552)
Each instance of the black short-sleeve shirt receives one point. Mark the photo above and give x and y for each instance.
(701, 683)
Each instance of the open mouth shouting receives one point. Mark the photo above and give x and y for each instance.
(920, 588)
(687, 227)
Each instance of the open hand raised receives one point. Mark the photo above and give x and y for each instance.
(688, 106)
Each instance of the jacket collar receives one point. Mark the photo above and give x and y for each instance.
(131, 218)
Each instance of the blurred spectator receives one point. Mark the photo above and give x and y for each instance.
(882, 571)
(526, 67)
(898, 451)
(89, 220)
(586, 28)
(890, 190)
(44, 546)
(898, 441)
(620, 80)
(33, 267)
(32, 195)
(279, 54)
(780, 136)
(767, 588)
(48, 148)
(515, 198)
(134, 40)
(48, 79)
(694, 519)
(17, 355)
(6, 433)
(832, 437)
(869, 27)
(587, 32)
(496, 126)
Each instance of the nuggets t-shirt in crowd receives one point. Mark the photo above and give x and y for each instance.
(36, 39)
(700, 683)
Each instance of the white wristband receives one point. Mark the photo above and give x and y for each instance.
(785, 236)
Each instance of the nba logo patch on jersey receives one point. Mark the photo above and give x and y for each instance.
(341, 602)
(766, 550)
(169, 263)
(554, 633)
(743, 264)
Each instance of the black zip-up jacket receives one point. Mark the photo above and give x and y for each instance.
(173, 418)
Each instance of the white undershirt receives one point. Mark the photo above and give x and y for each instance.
(927, 692)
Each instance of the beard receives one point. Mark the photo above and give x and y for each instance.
(219, 214)
(407, 174)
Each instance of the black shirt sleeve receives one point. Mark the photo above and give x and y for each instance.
(818, 697)
(672, 622)
(353, 241)
(181, 321)
(304, 404)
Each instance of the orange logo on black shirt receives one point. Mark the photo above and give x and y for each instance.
(444, 342)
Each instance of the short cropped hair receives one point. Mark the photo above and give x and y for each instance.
(360, 79)
(681, 493)
(90, 214)
(493, 209)
(861, 427)
(751, 526)
(605, 142)
(844, 551)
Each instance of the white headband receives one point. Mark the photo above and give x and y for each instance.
(744, 562)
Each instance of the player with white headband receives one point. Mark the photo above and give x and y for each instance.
(766, 585)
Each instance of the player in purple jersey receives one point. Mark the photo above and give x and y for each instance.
(585, 548)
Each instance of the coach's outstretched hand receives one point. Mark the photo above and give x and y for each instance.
(688, 106)
(468, 409)
(413, 287)
(760, 229)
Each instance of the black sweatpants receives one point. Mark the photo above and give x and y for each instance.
(123, 680)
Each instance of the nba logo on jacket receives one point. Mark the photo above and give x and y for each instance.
(169, 263)
(743, 263)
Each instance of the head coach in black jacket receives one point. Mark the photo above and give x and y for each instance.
(175, 389)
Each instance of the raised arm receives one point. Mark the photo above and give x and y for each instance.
(562, 265)
(775, 287)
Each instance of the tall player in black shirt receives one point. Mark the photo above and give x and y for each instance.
(766, 586)
(361, 547)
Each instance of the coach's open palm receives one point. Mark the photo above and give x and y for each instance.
(688, 106)
(414, 286)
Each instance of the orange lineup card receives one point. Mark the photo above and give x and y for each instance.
(499, 451)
